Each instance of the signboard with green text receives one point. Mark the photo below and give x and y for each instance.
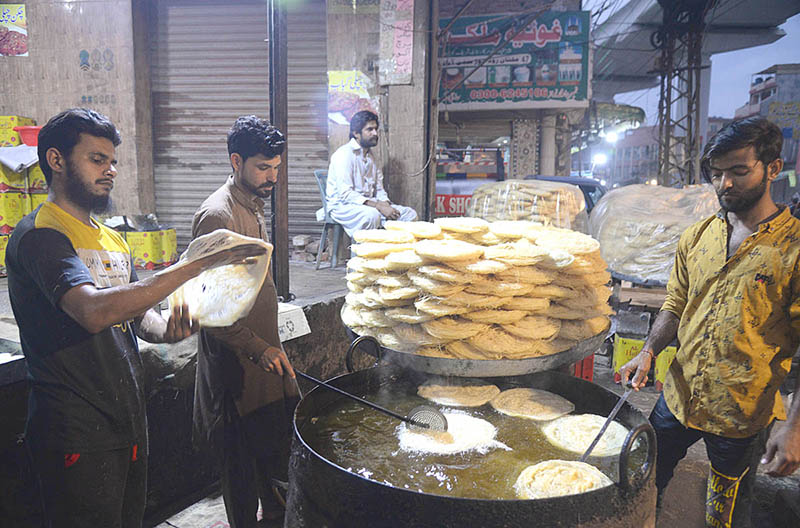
(546, 65)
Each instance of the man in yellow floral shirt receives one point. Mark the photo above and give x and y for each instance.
(733, 302)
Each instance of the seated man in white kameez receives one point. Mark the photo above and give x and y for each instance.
(355, 193)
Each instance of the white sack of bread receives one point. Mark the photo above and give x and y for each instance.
(550, 203)
(639, 226)
(221, 296)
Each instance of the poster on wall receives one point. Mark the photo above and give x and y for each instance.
(397, 42)
(544, 65)
(13, 31)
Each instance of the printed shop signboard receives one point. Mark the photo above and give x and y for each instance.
(545, 65)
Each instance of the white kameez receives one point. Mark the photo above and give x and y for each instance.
(354, 178)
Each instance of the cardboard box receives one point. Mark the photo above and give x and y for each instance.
(625, 348)
(663, 361)
(36, 182)
(145, 248)
(12, 210)
(292, 322)
(35, 200)
(11, 181)
(3, 244)
(169, 246)
(8, 136)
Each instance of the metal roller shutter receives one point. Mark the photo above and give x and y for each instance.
(209, 66)
(308, 112)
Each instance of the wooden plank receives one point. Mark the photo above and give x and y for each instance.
(650, 297)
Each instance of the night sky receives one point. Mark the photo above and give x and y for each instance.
(731, 74)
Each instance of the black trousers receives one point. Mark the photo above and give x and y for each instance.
(728, 456)
(254, 450)
(80, 490)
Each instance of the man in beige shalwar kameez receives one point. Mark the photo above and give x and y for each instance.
(246, 390)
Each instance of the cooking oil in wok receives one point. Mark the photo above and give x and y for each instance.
(365, 442)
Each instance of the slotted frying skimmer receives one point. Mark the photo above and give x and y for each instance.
(423, 416)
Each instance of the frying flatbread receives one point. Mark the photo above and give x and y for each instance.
(556, 478)
(458, 395)
(466, 433)
(535, 404)
(575, 432)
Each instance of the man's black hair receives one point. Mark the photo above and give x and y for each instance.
(360, 120)
(250, 136)
(757, 132)
(63, 133)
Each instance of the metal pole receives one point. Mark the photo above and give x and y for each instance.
(278, 114)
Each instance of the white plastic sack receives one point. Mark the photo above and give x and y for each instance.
(221, 296)
(639, 226)
(549, 203)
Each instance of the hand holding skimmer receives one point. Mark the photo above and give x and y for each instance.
(423, 416)
(610, 419)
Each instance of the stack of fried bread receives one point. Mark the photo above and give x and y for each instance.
(549, 203)
(466, 288)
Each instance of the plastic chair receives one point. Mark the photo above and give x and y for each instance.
(322, 182)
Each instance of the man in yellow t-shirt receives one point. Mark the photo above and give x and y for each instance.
(733, 302)
(79, 308)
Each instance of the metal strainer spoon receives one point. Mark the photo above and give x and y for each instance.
(423, 416)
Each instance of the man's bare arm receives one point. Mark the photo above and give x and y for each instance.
(783, 447)
(97, 309)
(664, 330)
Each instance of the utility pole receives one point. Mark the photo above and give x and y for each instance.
(680, 39)
(278, 115)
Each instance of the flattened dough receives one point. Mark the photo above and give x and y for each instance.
(535, 404)
(575, 432)
(458, 395)
(556, 478)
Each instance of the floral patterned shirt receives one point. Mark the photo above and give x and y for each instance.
(739, 325)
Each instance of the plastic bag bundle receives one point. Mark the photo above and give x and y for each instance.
(639, 226)
(545, 202)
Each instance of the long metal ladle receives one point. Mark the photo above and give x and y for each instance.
(610, 419)
(423, 416)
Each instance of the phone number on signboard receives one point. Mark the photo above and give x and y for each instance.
(508, 93)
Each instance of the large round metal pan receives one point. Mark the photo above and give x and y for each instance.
(480, 368)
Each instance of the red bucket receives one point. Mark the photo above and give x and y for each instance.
(29, 134)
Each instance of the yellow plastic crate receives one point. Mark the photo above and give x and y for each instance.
(626, 348)
(8, 136)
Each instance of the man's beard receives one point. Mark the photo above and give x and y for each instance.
(79, 193)
(262, 191)
(368, 143)
(745, 200)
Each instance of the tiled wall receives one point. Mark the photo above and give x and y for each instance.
(81, 53)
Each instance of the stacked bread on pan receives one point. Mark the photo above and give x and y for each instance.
(466, 288)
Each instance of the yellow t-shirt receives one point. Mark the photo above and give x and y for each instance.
(101, 249)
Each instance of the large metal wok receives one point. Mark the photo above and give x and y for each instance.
(479, 368)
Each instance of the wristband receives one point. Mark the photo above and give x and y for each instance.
(650, 353)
